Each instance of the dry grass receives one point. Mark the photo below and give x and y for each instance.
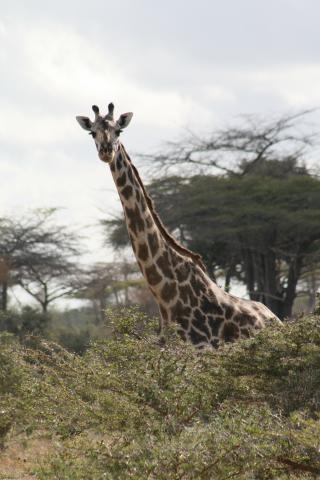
(22, 453)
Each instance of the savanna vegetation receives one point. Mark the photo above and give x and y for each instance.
(129, 408)
(248, 203)
(88, 393)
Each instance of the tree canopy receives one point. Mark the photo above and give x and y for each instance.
(254, 217)
(39, 255)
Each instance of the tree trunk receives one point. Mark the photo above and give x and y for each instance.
(102, 308)
(4, 296)
(273, 297)
(312, 291)
(227, 281)
(249, 275)
(45, 302)
(4, 279)
(115, 292)
(293, 277)
(126, 290)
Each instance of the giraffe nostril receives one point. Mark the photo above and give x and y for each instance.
(105, 150)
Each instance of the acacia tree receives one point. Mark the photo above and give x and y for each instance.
(262, 230)
(235, 150)
(39, 255)
(108, 282)
(258, 219)
(17, 236)
(48, 277)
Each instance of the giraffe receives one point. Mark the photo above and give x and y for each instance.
(203, 313)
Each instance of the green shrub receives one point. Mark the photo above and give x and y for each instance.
(11, 390)
(129, 408)
(28, 321)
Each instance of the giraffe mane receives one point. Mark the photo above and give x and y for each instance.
(170, 239)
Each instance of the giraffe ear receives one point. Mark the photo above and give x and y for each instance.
(124, 119)
(84, 122)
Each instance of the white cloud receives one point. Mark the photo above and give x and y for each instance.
(52, 71)
(70, 73)
(218, 93)
(49, 178)
(65, 65)
(60, 64)
(34, 128)
(54, 178)
(3, 29)
(297, 84)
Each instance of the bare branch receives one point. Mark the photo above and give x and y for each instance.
(235, 150)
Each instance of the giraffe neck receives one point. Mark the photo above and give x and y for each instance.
(148, 243)
(203, 312)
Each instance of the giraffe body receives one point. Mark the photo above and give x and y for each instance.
(204, 314)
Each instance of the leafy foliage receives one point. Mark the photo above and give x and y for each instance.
(38, 255)
(261, 228)
(28, 321)
(109, 282)
(129, 408)
(253, 200)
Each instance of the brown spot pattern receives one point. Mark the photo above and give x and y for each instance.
(149, 221)
(163, 264)
(143, 204)
(185, 293)
(143, 252)
(130, 174)
(199, 323)
(210, 306)
(228, 311)
(136, 223)
(180, 310)
(245, 332)
(152, 275)
(169, 291)
(153, 243)
(184, 322)
(197, 285)
(175, 258)
(242, 319)
(119, 162)
(121, 181)
(195, 337)
(230, 332)
(208, 317)
(127, 192)
(215, 323)
(182, 272)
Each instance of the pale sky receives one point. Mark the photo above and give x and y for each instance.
(175, 64)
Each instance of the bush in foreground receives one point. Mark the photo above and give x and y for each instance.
(131, 409)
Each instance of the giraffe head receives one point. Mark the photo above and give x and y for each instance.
(105, 131)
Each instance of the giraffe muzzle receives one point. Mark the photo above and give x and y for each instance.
(106, 155)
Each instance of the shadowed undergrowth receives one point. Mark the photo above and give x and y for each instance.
(131, 409)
